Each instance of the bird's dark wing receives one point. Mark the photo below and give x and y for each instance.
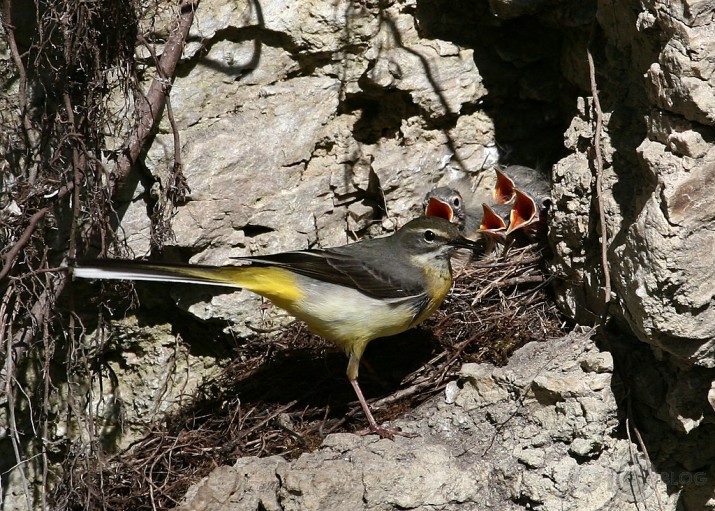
(345, 269)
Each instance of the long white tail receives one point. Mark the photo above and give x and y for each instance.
(117, 269)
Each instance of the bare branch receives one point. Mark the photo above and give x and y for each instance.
(598, 157)
(27, 235)
(22, 93)
(153, 104)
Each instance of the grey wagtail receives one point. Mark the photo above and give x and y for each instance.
(528, 180)
(495, 220)
(527, 213)
(349, 295)
(446, 202)
(503, 192)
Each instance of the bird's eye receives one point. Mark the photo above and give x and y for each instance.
(456, 202)
(430, 236)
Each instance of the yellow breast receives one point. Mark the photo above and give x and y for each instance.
(438, 280)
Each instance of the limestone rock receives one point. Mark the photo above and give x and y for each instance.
(656, 182)
(303, 122)
(439, 77)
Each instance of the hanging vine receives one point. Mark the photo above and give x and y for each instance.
(71, 87)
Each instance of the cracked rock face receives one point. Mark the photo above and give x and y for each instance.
(659, 164)
(304, 121)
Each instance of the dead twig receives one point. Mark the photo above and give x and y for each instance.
(26, 236)
(649, 464)
(150, 107)
(26, 123)
(598, 160)
(57, 161)
(6, 322)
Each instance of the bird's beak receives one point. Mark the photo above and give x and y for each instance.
(438, 208)
(503, 189)
(462, 242)
(490, 220)
(493, 225)
(522, 213)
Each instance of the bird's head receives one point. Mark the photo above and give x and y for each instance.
(432, 236)
(445, 202)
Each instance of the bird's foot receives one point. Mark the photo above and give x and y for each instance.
(383, 431)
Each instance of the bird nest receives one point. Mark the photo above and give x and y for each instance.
(283, 396)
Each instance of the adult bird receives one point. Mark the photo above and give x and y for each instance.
(349, 295)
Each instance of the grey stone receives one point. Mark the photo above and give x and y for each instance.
(597, 362)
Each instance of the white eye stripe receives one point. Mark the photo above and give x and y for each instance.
(435, 235)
